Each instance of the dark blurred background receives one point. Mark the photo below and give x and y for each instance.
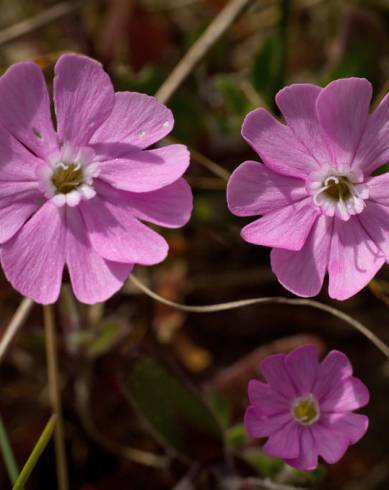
(135, 374)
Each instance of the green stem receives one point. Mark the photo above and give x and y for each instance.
(8, 456)
(35, 454)
(55, 397)
(284, 28)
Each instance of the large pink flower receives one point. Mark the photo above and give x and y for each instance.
(77, 194)
(306, 409)
(322, 210)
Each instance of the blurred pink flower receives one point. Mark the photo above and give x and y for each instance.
(322, 210)
(76, 195)
(305, 410)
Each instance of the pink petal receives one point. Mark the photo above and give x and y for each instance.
(375, 220)
(276, 374)
(18, 201)
(329, 444)
(258, 426)
(148, 170)
(334, 368)
(297, 103)
(34, 258)
(374, 148)
(254, 189)
(277, 145)
(265, 400)
(136, 119)
(25, 108)
(83, 96)
(116, 235)
(351, 426)
(354, 259)
(308, 458)
(378, 189)
(170, 206)
(17, 163)
(93, 279)
(302, 272)
(302, 365)
(286, 228)
(342, 109)
(284, 443)
(344, 396)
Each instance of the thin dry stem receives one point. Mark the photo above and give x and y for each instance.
(25, 27)
(268, 300)
(214, 31)
(206, 162)
(55, 397)
(16, 322)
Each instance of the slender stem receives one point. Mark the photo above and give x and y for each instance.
(46, 17)
(284, 24)
(8, 456)
(14, 325)
(55, 397)
(231, 305)
(35, 454)
(198, 157)
(213, 32)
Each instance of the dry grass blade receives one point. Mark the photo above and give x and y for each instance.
(48, 16)
(214, 31)
(17, 321)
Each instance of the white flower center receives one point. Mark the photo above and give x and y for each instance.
(338, 192)
(68, 178)
(305, 410)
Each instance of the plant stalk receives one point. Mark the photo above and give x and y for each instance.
(8, 456)
(55, 397)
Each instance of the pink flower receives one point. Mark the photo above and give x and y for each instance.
(77, 195)
(322, 210)
(305, 410)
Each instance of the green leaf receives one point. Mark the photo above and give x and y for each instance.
(307, 477)
(381, 170)
(33, 459)
(360, 46)
(109, 334)
(236, 436)
(360, 60)
(263, 463)
(8, 455)
(175, 413)
(221, 408)
(268, 68)
(148, 80)
(234, 97)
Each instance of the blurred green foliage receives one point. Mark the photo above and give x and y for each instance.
(176, 413)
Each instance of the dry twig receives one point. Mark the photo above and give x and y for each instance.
(16, 322)
(25, 27)
(214, 31)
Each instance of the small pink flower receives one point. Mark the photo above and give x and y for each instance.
(305, 410)
(322, 210)
(77, 195)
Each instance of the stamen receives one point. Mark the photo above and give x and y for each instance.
(337, 194)
(69, 175)
(306, 410)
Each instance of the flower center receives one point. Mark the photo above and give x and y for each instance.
(337, 188)
(338, 192)
(67, 177)
(306, 410)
